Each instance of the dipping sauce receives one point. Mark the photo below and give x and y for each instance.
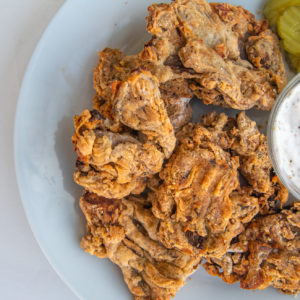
(286, 138)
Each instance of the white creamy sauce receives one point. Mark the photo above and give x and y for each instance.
(287, 136)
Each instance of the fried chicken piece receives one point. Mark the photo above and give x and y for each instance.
(216, 47)
(255, 165)
(242, 138)
(198, 196)
(233, 82)
(238, 19)
(245, 88)
(189, 19)
(193, 203)
(124, 231)
(263, 51)
(114, 68)
(138, 105)
(257, 42)
(252, 148)
(266, 254)
(111, 164)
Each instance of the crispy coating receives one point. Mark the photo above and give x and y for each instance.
(111, 164)
(114, 68)
(125, 232)
(138, 105)
(199, 197)
(263, 51)
(193, 201)
(257, 43)
(266, 254)
(241, 137)
(228, 58)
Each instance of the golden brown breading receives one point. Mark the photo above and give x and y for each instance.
(247, 142)
(257, 42)
(198, 197)
(193, 201)
(238, 19)
(221, 49)
(125, 232)
(186, 20)
(266, 254)
(115, 68)
(241, 137)
(111, 164)
(138, 105)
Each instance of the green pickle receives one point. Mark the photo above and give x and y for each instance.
(275, 8)
(288, 27)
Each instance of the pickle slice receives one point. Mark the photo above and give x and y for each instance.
(288, 26)
(274, 9)
(295, 61)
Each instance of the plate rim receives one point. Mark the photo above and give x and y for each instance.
(16, 142)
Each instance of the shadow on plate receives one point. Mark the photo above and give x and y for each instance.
(67, 157)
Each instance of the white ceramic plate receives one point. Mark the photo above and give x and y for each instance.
(58, 84)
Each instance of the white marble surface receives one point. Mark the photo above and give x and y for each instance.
(24, 271)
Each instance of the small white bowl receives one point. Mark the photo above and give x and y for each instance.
(285, 179)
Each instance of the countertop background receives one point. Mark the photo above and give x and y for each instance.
(25, 273)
